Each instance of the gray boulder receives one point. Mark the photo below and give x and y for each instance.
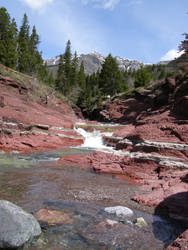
(17, 226)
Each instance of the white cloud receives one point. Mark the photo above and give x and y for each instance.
(110, 4)
(171, 54)
(104, 4)
(69, 26)
(37, 4)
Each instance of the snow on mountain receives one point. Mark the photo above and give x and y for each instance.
(93, 62)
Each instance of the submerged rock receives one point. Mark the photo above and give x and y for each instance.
(17, 226)
(119, 211)
(53, 217)
(140, 222)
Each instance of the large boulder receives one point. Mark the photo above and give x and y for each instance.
(17, 226)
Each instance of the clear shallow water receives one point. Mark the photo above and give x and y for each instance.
(35, 181)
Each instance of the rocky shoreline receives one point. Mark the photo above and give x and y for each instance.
(151, 148)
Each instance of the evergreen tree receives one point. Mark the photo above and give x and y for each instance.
(64, 74)
(110, 77)
(12, 52)
(42, 73)
(8, 39)
(74, 70)
(61, 78)
(90, 97)
(24, 46)
(81, 77)
(4, 26)
(35, 57)
(184, 44)
(67, 68)
(51, 80)
(142, 77)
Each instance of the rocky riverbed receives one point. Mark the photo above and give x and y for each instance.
(69, 202)
(141, 164)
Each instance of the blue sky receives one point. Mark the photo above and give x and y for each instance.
(144, 30)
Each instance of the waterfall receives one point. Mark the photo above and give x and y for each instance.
(93, 140)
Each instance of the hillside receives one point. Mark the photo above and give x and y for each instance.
(32, 115)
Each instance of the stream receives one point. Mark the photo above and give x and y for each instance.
(37, 181)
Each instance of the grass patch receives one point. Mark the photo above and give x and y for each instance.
(39, 90)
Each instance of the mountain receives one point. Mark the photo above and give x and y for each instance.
(93, 62)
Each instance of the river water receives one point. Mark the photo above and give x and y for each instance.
(37, 181)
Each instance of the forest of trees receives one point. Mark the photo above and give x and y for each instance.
(19, 47)
(19, 50)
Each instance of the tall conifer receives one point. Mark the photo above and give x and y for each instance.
(60, 79)
(35, 56)
(64, 74)
(110, 76)
(81, 77)
(12, 52)
(24, 46)
(74, 70)
(8, 39)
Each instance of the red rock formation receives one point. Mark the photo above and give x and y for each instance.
(29, 122)
(181, 243)
(81, 161)
(160, 182)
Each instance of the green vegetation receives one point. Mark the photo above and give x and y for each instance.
(184, 44)
(38, 89)
(142, 77)
(8, 39)
(19, 49)
(110, 77)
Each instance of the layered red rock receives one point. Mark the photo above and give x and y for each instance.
(81, 161)
(162, 183)
(30, 122)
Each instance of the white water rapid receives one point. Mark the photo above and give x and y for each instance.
(93, 140)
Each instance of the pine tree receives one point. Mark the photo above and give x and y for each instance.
(64, 74)
(110, 77)
(4, 26)
(8, 39)
(12, 52)
(61, 78)
(51, 80)
(42, 73)
(24, 46)
(142, 77)
(81, 77)
(35, 57)
(184, 44)
(74, 70)
(67, 68)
